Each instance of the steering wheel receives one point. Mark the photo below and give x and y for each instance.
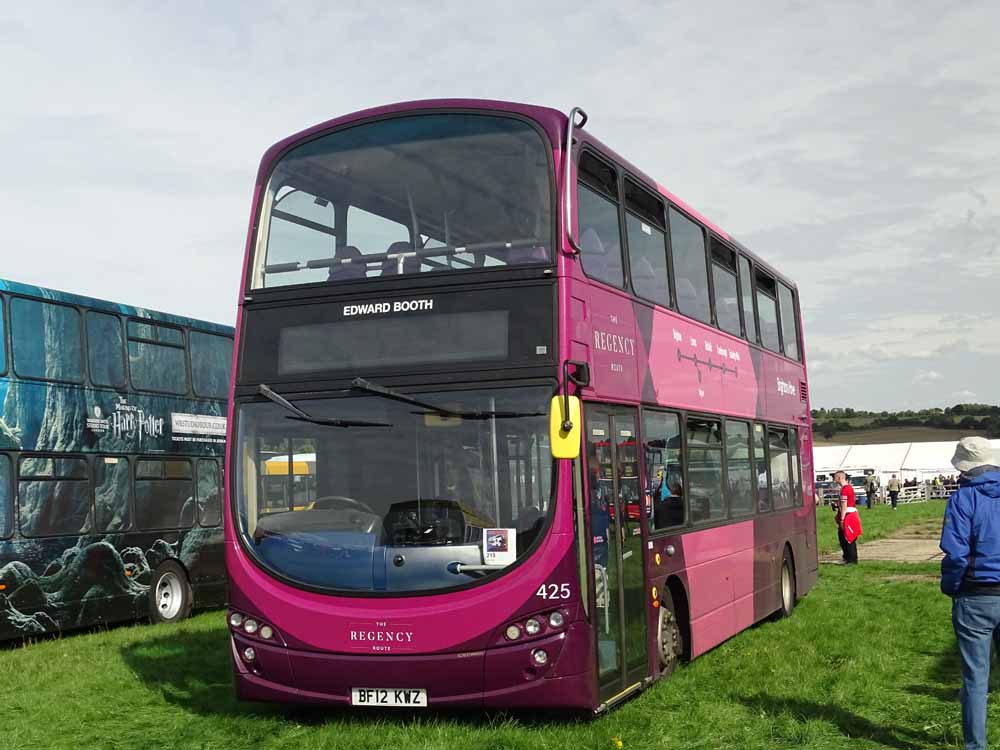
(332, 502)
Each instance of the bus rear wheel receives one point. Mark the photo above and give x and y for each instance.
(170, 596)
(787, 583)
(670, 640)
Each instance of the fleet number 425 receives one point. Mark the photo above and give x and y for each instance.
(553, 591)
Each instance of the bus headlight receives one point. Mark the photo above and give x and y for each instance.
(540, 656)
(513, 632)
(235, 619)
(556, 620)
(532, 626)
(266, 633)
(250, 626)
(249, 654)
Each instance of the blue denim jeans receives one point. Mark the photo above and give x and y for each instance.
(977, 623)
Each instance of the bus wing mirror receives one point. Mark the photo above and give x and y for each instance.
(564, 426)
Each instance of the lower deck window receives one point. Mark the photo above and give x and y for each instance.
(54, 496)
(164, 494)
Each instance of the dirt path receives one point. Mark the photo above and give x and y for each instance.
(915, 543)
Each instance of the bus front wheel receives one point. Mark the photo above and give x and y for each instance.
(170, 596)
(669, 636)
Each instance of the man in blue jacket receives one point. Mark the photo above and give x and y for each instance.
(970, 574)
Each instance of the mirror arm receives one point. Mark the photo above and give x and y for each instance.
(580, 377)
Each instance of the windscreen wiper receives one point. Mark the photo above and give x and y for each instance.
(265, 390)
(381, 390)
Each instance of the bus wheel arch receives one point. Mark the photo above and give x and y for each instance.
(673, 636)
(171, 597)
(787, 584)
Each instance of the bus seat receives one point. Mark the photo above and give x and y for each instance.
(347, 271)
(529, 523)
(390, 266)
(595, 254)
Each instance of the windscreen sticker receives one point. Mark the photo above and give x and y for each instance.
(646, 228)
(500, 546)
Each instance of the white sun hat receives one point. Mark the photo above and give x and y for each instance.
(972, 452)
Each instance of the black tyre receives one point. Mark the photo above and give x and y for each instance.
(786, 585)
(670, 637)
(170, 595)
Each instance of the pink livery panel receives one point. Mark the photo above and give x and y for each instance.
(638, 353)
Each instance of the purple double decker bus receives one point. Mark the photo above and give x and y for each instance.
(511, 425)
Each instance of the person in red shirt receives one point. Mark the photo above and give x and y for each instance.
(848, 520)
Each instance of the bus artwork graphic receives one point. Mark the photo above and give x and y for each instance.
(504, 429)
(112, 429)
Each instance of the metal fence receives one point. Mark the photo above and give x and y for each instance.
(919, 494)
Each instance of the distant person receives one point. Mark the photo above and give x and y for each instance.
(848, 522)
(970, 574)
(893, 488)
(871, 489)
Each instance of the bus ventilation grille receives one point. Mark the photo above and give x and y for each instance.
(803, 392)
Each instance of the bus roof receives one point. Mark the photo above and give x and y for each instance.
(552, 121)
(92, 303)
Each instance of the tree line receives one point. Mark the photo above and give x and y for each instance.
(961, 417)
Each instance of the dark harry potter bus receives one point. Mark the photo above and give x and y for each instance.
(112, 430)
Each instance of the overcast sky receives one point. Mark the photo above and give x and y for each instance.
(855, 147)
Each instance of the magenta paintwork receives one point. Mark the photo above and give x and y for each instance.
(452, 644)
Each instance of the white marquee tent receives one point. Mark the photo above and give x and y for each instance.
(907, 460)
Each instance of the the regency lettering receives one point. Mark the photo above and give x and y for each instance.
(382, 636)
(381, 308)
(612, 342)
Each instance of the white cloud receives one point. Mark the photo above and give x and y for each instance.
(927, 377)
(964, 395)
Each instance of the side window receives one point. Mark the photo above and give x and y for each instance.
(600, 233)
(789, 327)
(6, 499)
(647, 249)
(687, 245)
(746, 293)
(164, 494)
(760, 468)
(105, 352)
(301, 229)
(740, 475)
(727, 297)
(3, 339)
(373, 234)
(209, 493)
(767, 309)
(704, 469)
(46, 340)
(54, 496)
(796, 468)
(211, 360)
(781, 490)
(664, 470)
(111, 493)
(156, 358)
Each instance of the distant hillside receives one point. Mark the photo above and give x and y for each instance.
(894, 435)
(846, 425)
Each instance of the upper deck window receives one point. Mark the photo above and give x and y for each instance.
(104, 350)
(687, 241)
(211, 356)
(156, 358)
(407, 195)
(789, 321)
(746, 293)
(599, 227)
(46, 340)
(727, 298)
(767, 310)
(647, 244)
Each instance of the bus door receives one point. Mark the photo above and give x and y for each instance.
(616, 513)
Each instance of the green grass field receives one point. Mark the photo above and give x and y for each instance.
(866, 661)
(877, 522)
